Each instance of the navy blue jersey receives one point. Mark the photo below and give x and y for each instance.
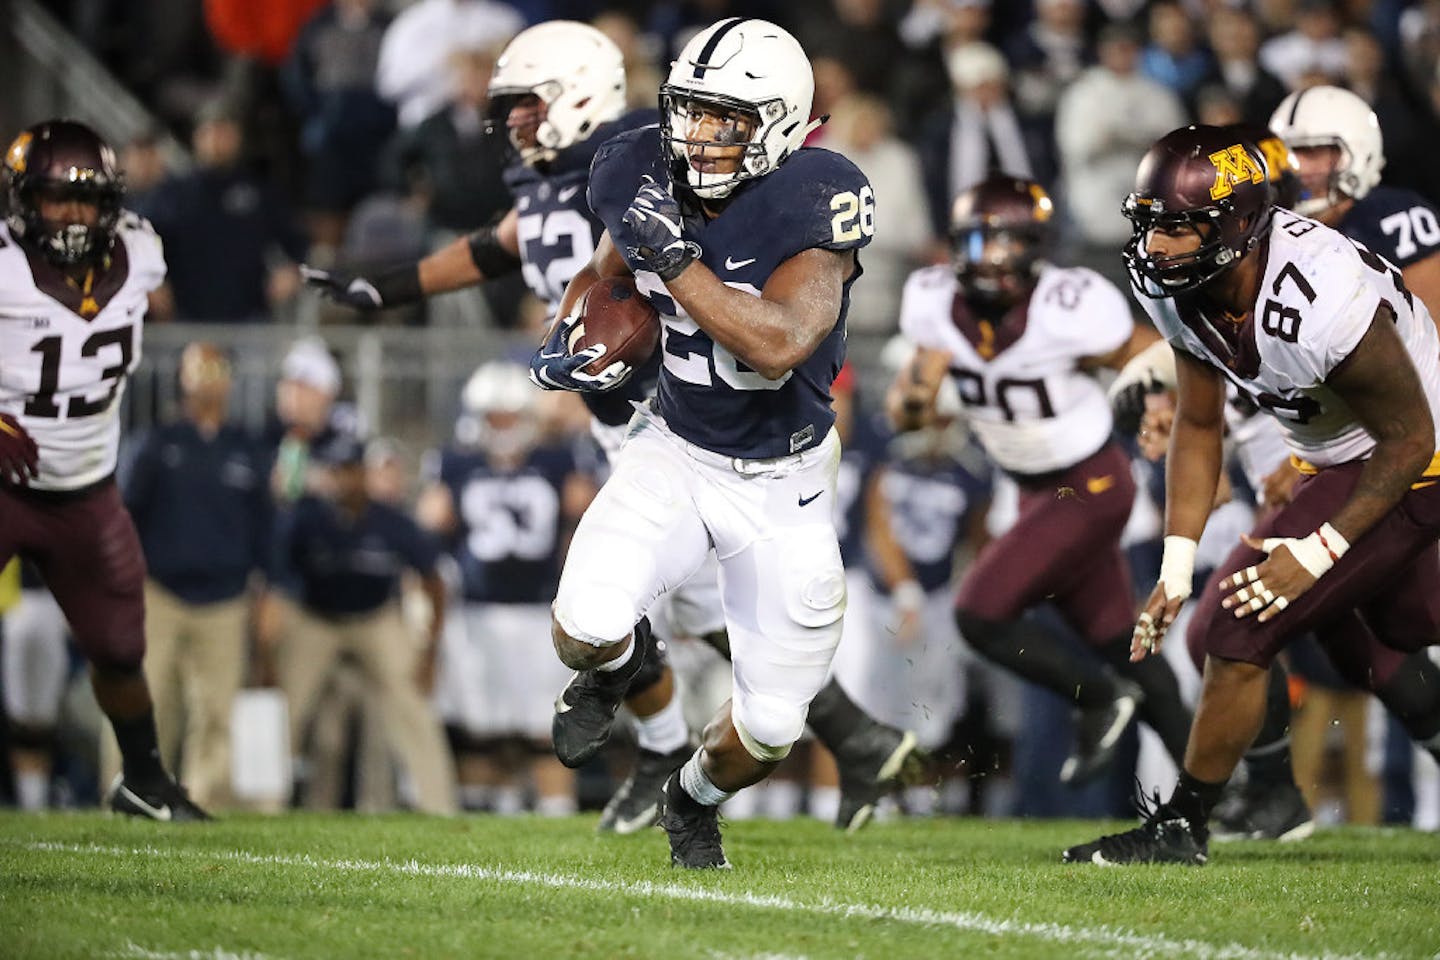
(816, 198)
(346, 565)
(558, 233)
(931, 500)
(508, 546)
(1398, 224)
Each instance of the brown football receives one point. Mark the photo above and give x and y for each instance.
(614, 313)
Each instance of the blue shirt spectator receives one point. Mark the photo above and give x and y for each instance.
(198, 492)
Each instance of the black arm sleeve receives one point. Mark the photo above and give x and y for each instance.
(489, 257)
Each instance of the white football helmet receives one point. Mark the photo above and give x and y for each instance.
(749, 66)
(575, 69)
(495, 390)
(1332, 117)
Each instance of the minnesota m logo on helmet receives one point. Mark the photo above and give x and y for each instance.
(1233, 165)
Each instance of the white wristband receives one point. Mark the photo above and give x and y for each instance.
(1177, 567)
(1317, 553)
(908, 596)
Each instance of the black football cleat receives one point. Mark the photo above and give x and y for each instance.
(693, 828)
(163, 800)
(872, 762)
(1097, 734)
(1272, 812)
(585, 709)
(1164, 837)
(636, 805)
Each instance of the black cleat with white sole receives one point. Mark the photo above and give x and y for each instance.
(585, 709)
(872, 762)
(1097, 734)
(1263, 812)
(636, 805)
(163, 800)
(693, 828)
(1164, 837)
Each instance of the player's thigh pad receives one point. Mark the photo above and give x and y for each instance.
(642, 536)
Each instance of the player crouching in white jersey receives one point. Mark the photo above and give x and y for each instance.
(1323, 335)
(1021, 339)
(76, 273)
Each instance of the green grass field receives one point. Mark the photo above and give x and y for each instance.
(345, 886)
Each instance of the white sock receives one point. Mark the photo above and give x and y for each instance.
(32, 790)
(663, 731)
(474, 796)
(824, 803)
(782, 800)
(695, 782)
(557, 805)
(619, 661)
(509, 800)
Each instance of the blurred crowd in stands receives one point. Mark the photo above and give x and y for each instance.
(353, 132)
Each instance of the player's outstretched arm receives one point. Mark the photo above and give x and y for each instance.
(485, 254)
(1192, 475)
(910, 401)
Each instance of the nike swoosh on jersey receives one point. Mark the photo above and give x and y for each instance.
(161, 812)
(564, 195)
(810, 499)
(731, 264)
(1100, 484)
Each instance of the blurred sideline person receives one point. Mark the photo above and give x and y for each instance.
(34, 636)
(346, 554)
(1021, 339)
(507, 503)
(84, 268)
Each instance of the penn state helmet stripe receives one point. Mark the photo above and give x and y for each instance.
(709, 49)
(1295, 107)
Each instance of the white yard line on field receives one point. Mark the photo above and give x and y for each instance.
(133, 951)
(1127, 942)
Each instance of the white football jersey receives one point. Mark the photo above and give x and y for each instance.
(66, 352)
(1316, 301)
(1032, 407)
(1256, 439)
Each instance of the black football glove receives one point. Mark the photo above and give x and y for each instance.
(554, 367)
(651, 231)
(19, 456)
(393, 288)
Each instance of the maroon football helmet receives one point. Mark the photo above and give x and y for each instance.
(1205, 177)
(1280, 162)
(999, 232)
(62, 160)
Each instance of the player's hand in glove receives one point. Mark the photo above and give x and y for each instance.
(554, 367)
(19, 456)
(391, 289)
(651, 232)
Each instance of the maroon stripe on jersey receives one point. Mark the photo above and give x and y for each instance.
(989, 337)
(1065, 549)
(88, 553)
(69, 291)
(1391, 576)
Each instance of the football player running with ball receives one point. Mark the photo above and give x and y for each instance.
(559, 90)
(1324, 336)
(746, 245)
(76, 274)
(1021, 340)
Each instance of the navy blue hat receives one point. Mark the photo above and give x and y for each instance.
(338, 448)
